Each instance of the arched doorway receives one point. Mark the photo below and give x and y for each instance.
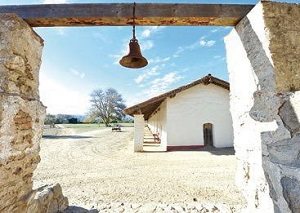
(208, 134)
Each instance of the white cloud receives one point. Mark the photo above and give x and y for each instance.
(148, 73)
(132, 100)
(222, 58)
(60, 99)
(206, 43)
(203, 42)
(77, 73)
(60, 31)
(160, 85)
(124, 51)
(184, 70)
(146, 33)
(55, 1)
(116, 57)
(214, 30)
(153, 88)
(192, 46)
(150, 30)
(178, 52)
(158, 60)
(146, 45)
(166, 80)
(140, 78)
(101, 36)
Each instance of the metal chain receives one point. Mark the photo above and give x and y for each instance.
(133, 15)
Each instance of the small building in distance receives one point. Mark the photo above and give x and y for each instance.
(191, 116)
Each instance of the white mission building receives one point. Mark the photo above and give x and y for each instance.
(191, 116)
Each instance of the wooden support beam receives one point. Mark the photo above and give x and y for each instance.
(49, 15)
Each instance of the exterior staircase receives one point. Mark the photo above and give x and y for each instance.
(150, 138)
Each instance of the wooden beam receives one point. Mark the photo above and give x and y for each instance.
(49, 15)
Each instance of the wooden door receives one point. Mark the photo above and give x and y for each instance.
(208, 134)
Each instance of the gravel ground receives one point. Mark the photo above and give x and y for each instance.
(99, 167)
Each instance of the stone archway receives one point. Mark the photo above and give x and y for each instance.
(265, 105)
(264, 71)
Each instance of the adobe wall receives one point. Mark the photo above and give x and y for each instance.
(196, 106)
(263, 54)
(21, 114)
(139, 125)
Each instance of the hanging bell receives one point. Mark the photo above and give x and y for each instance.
(134, 58)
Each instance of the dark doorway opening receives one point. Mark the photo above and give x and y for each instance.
(208, 134)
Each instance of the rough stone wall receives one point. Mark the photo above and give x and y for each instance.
(48, 199)
(283, 24)
(21, 112)
(264, 69)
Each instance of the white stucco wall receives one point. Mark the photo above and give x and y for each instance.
(139, 125)
(158, 123)
(190, 109)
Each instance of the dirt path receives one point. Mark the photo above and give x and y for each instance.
(99, 166)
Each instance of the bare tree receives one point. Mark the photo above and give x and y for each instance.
(107, 105)
(50, 120)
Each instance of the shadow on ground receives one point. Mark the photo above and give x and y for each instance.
(77, 209)
(220, 151)
(212, 150)
(66, 136)
(122, 131)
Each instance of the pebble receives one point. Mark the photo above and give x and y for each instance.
(163, 207)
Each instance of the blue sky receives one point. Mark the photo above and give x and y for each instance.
(77, 60)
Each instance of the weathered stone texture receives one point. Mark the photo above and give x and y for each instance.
(21, 120)
(20, 53)
(291, 188)
(48, 199)
(265, 106)
(21, 112)
(289, 115)
(283, 24)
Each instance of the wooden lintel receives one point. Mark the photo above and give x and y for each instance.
(115, 14)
